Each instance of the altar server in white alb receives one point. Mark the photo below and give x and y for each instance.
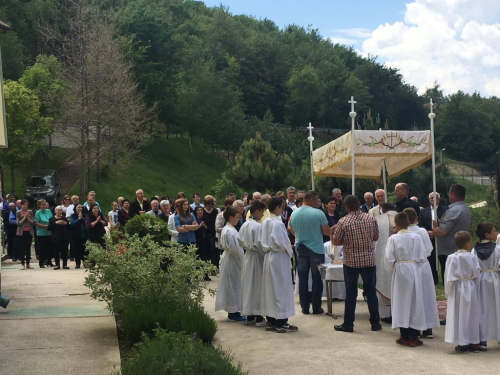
(461, 280)
(277, 290)
(386, 229)
(488, 254)
(427, 279)
(253, 262)
(229, 289)
(404, 252)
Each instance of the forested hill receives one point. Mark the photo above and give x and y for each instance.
(209, 73)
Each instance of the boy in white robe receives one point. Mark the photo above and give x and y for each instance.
(488, 254)
(277, 302)
(461, 279)
(404, 252)
(229, 289)
(253, 262)
(431, 312)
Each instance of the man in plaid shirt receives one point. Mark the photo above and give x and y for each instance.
(356, 232)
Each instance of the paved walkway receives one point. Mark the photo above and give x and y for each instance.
(52, 326)
(318, 349)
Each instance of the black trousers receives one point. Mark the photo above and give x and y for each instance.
(79, 250)
(442, 263)
(61, 251)
(11, 240)
(24, 242)
(44, 250)
(432, 263)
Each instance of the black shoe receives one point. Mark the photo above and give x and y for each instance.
(42, 266)
(387, 320)
(343, 328)
(206, 278)
(376, 327)
(319, 311)
(305, 311)
(77, 267)
(442, 322)
(72, 259)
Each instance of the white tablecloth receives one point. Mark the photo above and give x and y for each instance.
(331, 271)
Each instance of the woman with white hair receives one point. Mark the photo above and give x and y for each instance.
(58, 227)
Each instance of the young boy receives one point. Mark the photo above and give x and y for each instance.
(426, 272)
(229, 289)
(461, 279)
(403, 255)
(277, 290)
(253, 261)
(488, 254)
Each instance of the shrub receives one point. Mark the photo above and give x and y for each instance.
(134, 269)
(175, 353)
(144, 315)
(144, 225)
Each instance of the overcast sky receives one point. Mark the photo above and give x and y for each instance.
(453, 42)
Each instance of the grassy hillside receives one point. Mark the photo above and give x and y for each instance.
(164, 168)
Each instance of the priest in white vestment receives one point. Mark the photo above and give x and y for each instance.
(386, 229)
(488, 256)
(461, 281)
(228, 296)
(253, 262)
(277, 302)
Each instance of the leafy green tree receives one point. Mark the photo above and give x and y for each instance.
(257, 166)
(46, 80)
(25, 127)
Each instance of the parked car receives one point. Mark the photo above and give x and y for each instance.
(44, 184)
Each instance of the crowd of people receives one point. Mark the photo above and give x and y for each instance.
(255, 239)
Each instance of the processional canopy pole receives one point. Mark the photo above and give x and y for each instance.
(352, 115)
(432, 115)
(311, 139)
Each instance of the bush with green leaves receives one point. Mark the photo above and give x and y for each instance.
(175, 353)
(145, 314)
(144, 225)
(137, 268)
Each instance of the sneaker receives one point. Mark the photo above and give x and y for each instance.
(261, 324)
(250, 322)
(23, 267)
(286, 328)
(427, 334)
(270, 327)
(237, 318)
(28, 267)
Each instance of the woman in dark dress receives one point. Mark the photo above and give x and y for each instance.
(58, 225)
(331, 214)
(95, 223)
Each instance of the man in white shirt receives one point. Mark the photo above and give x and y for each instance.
(290, 193)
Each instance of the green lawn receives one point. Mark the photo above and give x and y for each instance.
(165, 167)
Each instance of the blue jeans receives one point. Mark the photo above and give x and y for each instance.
(369, 277)
(309, 260)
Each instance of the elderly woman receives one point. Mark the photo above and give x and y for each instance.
(240, 207)
(42, 217)
(78, 234)
(59, 236)
(25, 221)
(95, 223)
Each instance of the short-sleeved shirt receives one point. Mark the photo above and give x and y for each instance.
(356, 232)
(114, 217)
(455, 219)
(42, 217)
(306, 222)
(190, 236)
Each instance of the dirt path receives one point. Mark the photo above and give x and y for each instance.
(69, 173)
(318, 349)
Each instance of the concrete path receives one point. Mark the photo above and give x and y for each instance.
(318, 349)
(52, 326)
